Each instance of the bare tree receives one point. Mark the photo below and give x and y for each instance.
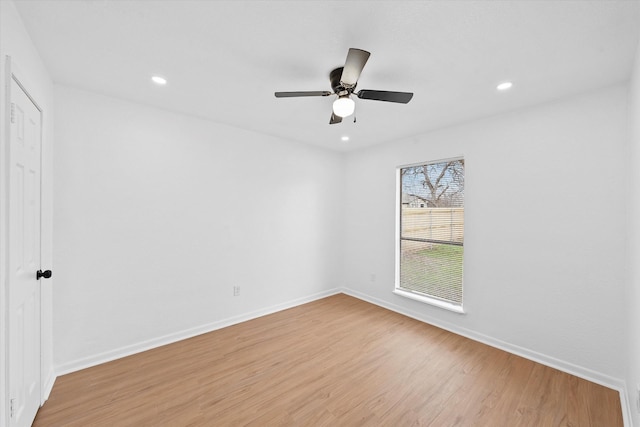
(441, 184)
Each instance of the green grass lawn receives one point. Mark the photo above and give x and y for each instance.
(432, 269)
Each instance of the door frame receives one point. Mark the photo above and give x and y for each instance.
(13, 73)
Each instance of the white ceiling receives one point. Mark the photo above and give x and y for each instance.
(224, 59)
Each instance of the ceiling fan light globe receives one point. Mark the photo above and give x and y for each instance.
(343, 106)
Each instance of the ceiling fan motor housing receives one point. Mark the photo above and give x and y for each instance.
(337, 87)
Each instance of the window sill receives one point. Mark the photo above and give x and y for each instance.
(431, 301)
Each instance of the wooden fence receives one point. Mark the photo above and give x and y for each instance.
(446, 224)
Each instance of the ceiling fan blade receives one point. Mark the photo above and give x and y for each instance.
(356, 59)
(335, 119)
(384, 95)
(297, 94)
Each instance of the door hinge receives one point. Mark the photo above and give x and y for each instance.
(12, 404)
(13, 112)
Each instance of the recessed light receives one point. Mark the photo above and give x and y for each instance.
(504, 86)
(345, 138)
(161, 81)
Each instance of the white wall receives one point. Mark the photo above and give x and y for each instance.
(26, 63)
(633, 307)
(158, 216)
(544, 271)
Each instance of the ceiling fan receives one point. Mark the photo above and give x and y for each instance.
(344, 81)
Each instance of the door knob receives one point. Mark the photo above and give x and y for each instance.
(46, 274)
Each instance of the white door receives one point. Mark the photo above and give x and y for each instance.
(24, 258)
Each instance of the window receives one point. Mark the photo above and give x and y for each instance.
(431, 232)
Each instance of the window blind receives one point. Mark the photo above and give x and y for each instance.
(432, 229)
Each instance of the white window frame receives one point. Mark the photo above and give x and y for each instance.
(457, 308)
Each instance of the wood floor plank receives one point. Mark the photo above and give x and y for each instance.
(338, 361)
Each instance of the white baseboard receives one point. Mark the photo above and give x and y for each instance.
(570, 368)
(121, 352)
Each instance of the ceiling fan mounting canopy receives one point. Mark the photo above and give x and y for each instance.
(343, 83)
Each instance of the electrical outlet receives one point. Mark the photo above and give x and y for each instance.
(236, 291)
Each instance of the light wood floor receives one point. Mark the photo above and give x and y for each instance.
(338, 361)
